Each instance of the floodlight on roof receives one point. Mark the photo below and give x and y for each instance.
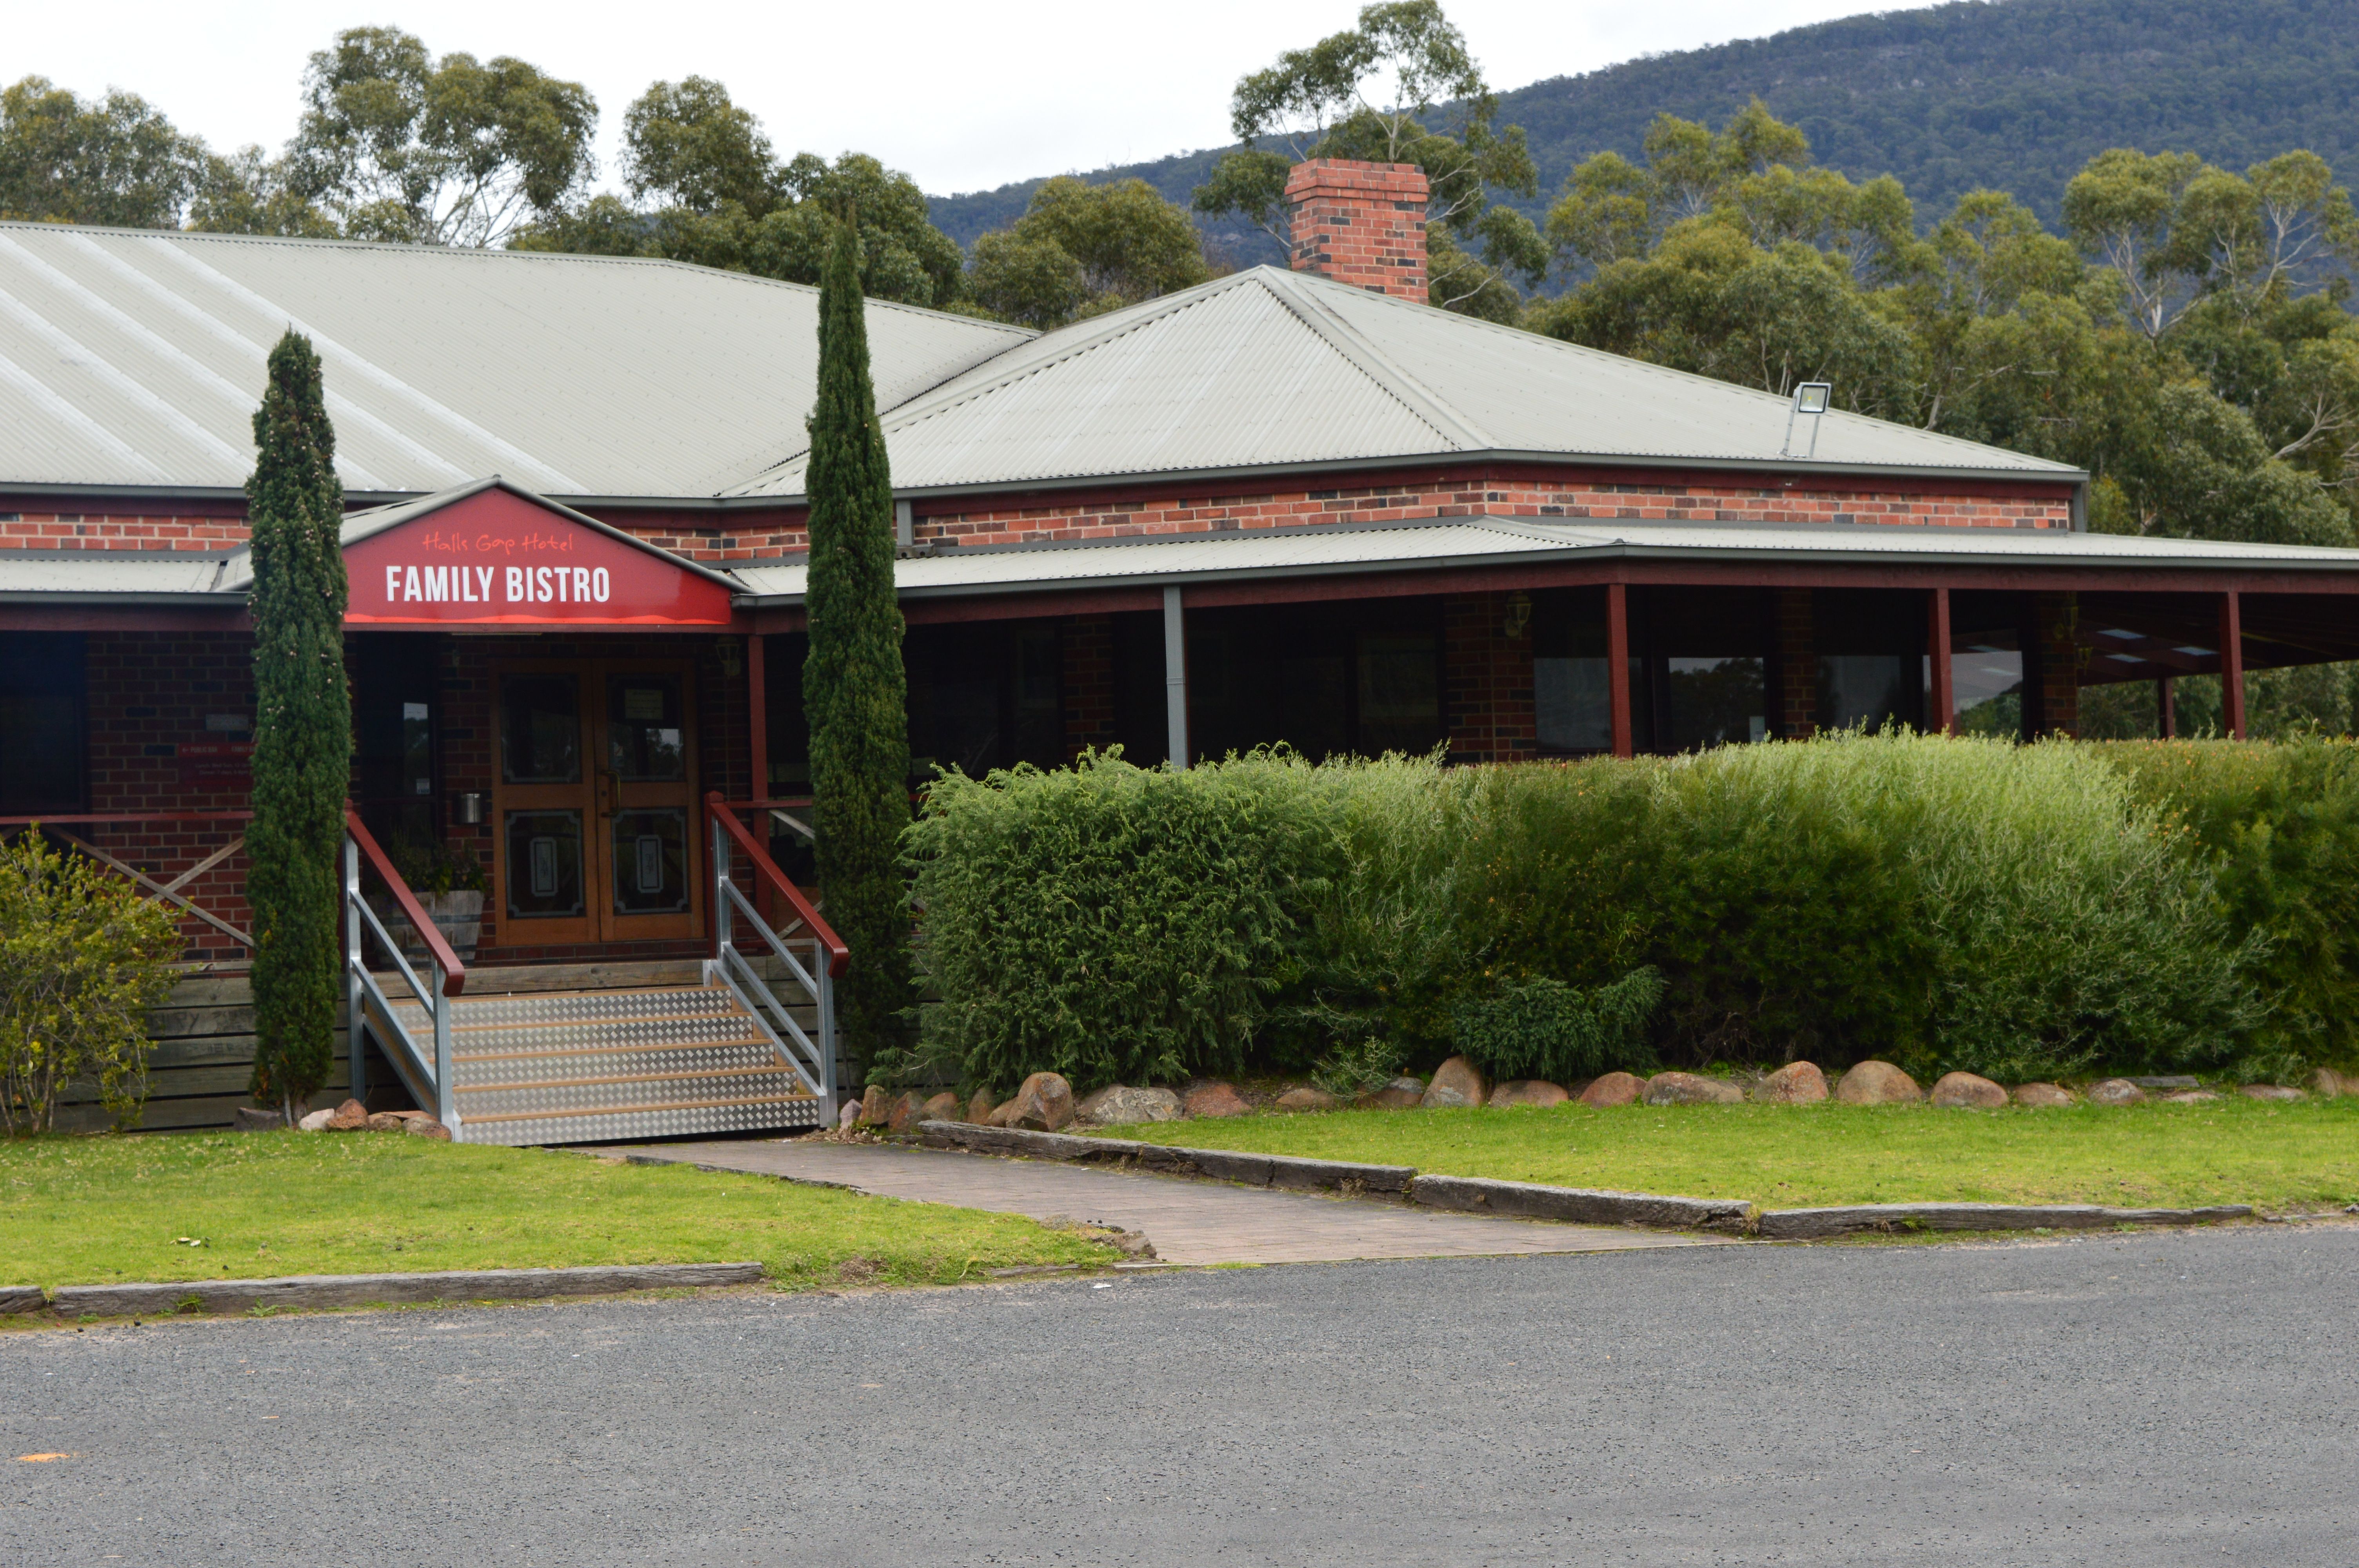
(1813, 398)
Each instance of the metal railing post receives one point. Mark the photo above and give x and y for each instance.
(826, 1029)
(724, 931)
(446, 1105)
(357, 1034)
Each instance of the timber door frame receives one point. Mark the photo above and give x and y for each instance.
(596, 795)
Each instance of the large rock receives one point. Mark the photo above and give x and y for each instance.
(874, 1107)
(1045, 1104)
(1305, 1099)
(2116, 1091)
(904, 1110)
(1878, 1083)
(1528, 1091)
(944, 1107)
(2271, 1092)
(980, 1108)
(2327, 1083)
(1965, 1091)
(2188, 1097)
(317, 1121)
(1117, 1106)
(384, 1122)
(351, 1116)
(251, 1119)
(1613, 1089)
(1455, 1083)
(425, 1127)
(1795, 1082)
(1398, 1094)
(2042, 1095)
(1689, 1088)
(1214, 1099)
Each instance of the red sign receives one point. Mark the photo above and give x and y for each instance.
(495, 558)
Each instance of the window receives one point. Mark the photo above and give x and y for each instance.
(41, 721)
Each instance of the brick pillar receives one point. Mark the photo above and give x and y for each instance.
(1798, 666)
(2057, 617)
(1486, 671)
(1361, 224)
(1085, 652)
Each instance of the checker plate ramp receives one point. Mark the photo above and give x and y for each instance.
(593, 1066)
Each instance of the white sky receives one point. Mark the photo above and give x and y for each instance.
(965, 96)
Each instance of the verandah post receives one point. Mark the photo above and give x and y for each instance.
(2231, 665)
(1943, 718)
(757, 750)
(1617, 665)
(1175, 676)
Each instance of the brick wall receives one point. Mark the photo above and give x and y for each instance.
(1361, 224)
(1085, 657)
(1798, 666)
(1487, 700)
(1570, 497)
(148, 695)
(197, 535)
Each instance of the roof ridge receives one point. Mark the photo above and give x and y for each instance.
(936, 400)
(1302, 300)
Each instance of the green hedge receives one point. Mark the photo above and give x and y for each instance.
(2021, 912)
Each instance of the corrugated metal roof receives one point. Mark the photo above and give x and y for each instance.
(1462, 542)
(1273, 367)
(135, 359)
(107, 573)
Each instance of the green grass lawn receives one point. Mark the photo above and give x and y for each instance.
(2275, 1157)
(78, 1211)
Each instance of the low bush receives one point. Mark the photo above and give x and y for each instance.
(82, 959)
(2279, 827)
(2020, 911)
(1546, 1028)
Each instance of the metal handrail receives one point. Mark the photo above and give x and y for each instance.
(815, 1063)
(429, 1084)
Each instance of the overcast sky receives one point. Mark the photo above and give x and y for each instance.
(963, 96)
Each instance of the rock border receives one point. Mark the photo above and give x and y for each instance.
(1807, 1223)
(307, 1291)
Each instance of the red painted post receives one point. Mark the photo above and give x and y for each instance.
(1617, 664)
(2231, 665)
(1943, 720)
(757, 745)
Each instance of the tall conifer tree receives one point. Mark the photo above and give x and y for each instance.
(303, 730)
(854, 689)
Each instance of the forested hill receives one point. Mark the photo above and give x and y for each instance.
(2015, 94)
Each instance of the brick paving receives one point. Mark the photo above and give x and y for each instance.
(1189, 1222)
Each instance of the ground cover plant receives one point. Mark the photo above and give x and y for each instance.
(2297, 1156)
(99, 1210)
(1944, 903)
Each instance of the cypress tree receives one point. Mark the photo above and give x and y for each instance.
(854, 690)
(302, 733)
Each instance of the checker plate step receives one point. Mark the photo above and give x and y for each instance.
(591, 1067)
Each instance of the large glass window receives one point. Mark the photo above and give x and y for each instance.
(540, 730)
(394, 702)
(1872, 657)
(1360, 678)
(41, 708)
(1572, 705)
(1704, 667)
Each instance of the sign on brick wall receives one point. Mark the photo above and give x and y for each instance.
(494, 557)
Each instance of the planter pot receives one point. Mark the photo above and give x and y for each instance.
(459, 917)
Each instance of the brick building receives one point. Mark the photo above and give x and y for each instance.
(1295, 506)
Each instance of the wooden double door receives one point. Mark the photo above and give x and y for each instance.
(597, 820)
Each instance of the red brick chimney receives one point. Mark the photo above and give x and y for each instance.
(1361, 224)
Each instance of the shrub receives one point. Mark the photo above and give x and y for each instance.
(1110, 923)
(82, 959)
(2280, 827)
(1546, 1028)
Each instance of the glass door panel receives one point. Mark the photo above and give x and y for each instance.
(544, 877)
(649, 873)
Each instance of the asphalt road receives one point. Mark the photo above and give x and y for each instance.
(2138, 1400)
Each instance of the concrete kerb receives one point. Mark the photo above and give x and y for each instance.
(1531, 1200)
(1809, 1224)
(313, 1292)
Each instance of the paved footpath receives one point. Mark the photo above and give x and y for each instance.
(1189, 1221)
(2180, 1400)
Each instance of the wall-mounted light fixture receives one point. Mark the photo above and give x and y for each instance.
(1519, 616)
(1813, 398)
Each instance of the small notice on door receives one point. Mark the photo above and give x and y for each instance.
(642, 702)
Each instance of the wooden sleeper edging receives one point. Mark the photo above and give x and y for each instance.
(1806, 1224)
(21, 1298)
(1579, 1206)
(301, 1292)
(1281, 1170)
